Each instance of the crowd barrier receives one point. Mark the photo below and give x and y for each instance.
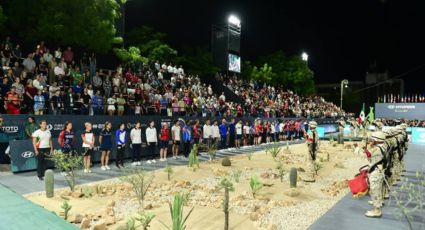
(21, 149)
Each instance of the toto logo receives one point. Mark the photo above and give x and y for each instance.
(27, 154)
(391, 106)
(10, 129)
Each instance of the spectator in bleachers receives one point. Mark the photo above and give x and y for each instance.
(39, 102)
(68, 55)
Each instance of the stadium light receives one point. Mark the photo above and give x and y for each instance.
(234, 21)
(304, 56)
(344, 84)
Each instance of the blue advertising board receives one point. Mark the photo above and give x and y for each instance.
(400, 110)
(418, 136)
(321, 131)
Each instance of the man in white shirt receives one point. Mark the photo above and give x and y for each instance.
(136, 144)
(238, 128)
(37, 83)
(207, 132)
(281, 127)
(42, 143)
(215, 132)
(176, 135)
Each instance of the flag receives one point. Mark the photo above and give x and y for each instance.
(371, 115)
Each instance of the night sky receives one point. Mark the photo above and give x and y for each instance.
(342, 38)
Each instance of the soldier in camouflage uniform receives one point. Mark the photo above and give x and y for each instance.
(390, 144)
(312, 143)
(376, 155)
(405, 143)
(354, 126)
(378, 124)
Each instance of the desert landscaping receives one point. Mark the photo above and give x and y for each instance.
(265, 196)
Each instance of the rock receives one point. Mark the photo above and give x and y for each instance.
(85, 223)
(339, 165)
(300, 169)
(148, 207)
(100, 225)
(254, 216)
(271, 227)
(265, 175)
(110, 220)
(111, 204)
(76, 219)
(76, 194)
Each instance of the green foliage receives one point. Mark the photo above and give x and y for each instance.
(129, 225)
(87, 191)
(87, 23)
(264, 73)
(197, 61)
(277, 68)
(169, 170)
(226, 162)
(66, 208)
(193, 157)
(410, 201)
(130, 55)
(176, 211)
(255, 185)
(68, 163)
(151, 44)
(49, 182)
(145, 218)
(273, 149)
(293, 177)
(212, 151)
(250, 154)
(2, 19)
(140, 181)
(227, 185)
(317, 166)
(236, 175)
(186, 196)
(280, 170)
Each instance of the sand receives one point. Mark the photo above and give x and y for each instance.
(273, 207)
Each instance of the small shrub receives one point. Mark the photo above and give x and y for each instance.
(226, 162)
(255, 185)
(193, 157)
(140, 181)
(280, 170)
(87, 191)
(317, 167)
(145, 218)
(176, 211)
(236, 175)
(273, 149)
(68, 163)
(249, 155)
(169, 170)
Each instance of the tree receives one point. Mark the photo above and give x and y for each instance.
(198, 61)
(264, 73)
(151, 44)
(87, 23)
(130, 55)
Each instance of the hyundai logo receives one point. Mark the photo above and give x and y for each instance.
(27, 154)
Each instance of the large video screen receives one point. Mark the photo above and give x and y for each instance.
(234, 63)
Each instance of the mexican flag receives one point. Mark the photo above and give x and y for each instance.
(362, 115)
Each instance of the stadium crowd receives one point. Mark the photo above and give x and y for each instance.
(270, 101)
(59, 82)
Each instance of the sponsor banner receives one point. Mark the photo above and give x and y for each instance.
(418, 136)
(320, 131)
(400, 110)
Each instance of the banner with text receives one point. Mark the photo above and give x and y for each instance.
(400, 110)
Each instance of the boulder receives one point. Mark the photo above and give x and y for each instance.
(76, 194)
(148, 207)
(100, 225)
(110, 220)
(254, 216)
(85, 223)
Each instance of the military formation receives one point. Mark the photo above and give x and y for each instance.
(384, 150)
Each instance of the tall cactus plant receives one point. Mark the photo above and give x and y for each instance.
(227, 185)
(293, 177)
(49, 183)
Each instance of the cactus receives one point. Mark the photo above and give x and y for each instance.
(280, 170)
(226, 162)
(145, 218)
(169, 170)
(193, 157)
(66, 207)
(327, 157)
(255, 185)
(236, 175)
(287, 145)
(228, 186)
(249, 155)
(49, 183)
(293, 177)
(87, 191)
